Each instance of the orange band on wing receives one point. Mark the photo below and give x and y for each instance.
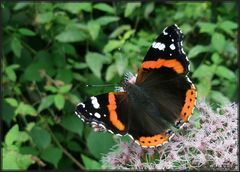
(189, 104)
(155, 140)
(171, 63)
(112, 112)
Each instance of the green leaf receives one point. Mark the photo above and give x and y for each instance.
(90, 164)
(50, 88)
(105, 20)
(44, 17)
(207, 27)
(71, 36)
(95, 62)
(218, 41)
(25, 109)
(65, 88)
(10, 73)
(112, 45)
(28, 150)
(203, 71)
(52, 155)
(228, 26)
(226, 73)
(40, 137)
(72, 123)
(76, 8)
(65, 75)
(26, 32)
(104, 143)
(13, 160)
(13, 102)
(7, 112)
(46, 102)
(111, 72)
(12, 135)
(216, 58)
(73, 98)
(121, 63)
(24, 161)
(197, 50)
(130, 7)
(119, 30)
(42, 63)
(93, 28)
(219, 97)
(149, 9)
(59, 101)
(104, 7)
(16, 46)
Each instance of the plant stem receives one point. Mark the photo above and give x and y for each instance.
(64, 150)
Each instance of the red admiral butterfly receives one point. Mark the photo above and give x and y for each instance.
(147, 105)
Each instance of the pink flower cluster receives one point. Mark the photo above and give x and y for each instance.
(207, 142)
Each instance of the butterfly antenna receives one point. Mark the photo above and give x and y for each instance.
(100, 85)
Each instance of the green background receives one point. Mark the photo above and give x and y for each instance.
(51, 51)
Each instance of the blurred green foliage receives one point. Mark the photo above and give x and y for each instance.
(52, 50)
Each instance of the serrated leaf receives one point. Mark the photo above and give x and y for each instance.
(197, 50)
(25, 109)
(40, 137)
(90, 164)
(93, 29)
(111, 72)
(52, 155)
(226, 73)
(104, 20)
(112, 45)
(72, 123)
(59, 101)
(46, 102)
(16, 46)
(218, 41)
(71, 36)
(13, 160)
(26, 32)
(104, 143)
(130, 7)
(95, 62)
(104, 7)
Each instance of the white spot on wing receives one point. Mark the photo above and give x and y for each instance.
(158, 45)
(97, 115)
(172, 46)
(95, 102)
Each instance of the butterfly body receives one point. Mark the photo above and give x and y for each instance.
(160, 96)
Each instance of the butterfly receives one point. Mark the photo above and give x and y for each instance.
(160, 96)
